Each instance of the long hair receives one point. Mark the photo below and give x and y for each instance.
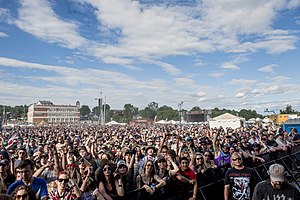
(101, 176)
(27, 189)
(2, 186)
(153, 172)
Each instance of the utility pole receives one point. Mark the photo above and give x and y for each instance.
(100, 103)
(180, 105)
(104, 111)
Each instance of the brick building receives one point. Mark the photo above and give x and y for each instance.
(53, 114)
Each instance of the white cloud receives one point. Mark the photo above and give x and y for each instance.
(176, 30)
(127, 63)
(184, 81)
(242, 82)
(201, 94)
(240, 95)
(267, 68)
(216, 74)
(202, 99)
(170, 69)
(229, 66)
(293, 4)
(155, 31)
(73, 76)
(280, 78)
(3, 34)
(38, 18)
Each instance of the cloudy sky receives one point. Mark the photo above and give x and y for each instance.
(209, 53)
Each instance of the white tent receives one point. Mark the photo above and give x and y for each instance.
(161, 122)
(226, 120)
(112, 123)
(267, 120)
(172, 122)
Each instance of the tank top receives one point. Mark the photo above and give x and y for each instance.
(222, 160)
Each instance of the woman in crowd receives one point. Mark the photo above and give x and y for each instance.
(109, 187)
(149, 181)
(23, 192)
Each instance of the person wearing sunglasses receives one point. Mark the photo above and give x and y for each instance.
(23, 192)
(276, 187)
(149, 181)
(109, 187)
(38, 185)
(239, 180)
(64, 191)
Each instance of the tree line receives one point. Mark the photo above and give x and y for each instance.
(131, 112)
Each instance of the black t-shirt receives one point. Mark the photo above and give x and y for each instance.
(272, 143)
(9, 180)
(241, 183)
(265, 191)
(296, 137)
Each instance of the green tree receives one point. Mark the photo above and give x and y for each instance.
(288, 110)
(167, 113)
(85, 110)
(129, 112)
(150, 111)
(196, 108)
(248, 114)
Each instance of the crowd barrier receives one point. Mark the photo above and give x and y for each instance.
(291, 162)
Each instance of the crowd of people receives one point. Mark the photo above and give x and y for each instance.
(135, 162)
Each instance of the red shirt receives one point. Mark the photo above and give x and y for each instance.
(189, 173)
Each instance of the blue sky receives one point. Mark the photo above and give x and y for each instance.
(212, 53)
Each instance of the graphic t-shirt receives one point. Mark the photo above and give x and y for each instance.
(265, 191)
(241, 183)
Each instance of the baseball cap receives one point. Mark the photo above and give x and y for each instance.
(276, 172)
(160, 157)
(121, 162)
(4, 162)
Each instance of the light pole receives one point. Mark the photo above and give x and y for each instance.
(101, 118)
(275, 115)
(180, 105)
(104, 110)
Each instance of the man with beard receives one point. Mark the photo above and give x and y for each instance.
(276, 187)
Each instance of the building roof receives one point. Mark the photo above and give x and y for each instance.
(226, 116)
(45, 102)
(293, 121)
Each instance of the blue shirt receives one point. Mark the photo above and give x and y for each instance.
(39, 187)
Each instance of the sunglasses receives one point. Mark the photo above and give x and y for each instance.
(23, 196)
(122, 166)
(106, 169)
(235, 159)
(199, 158)
(63, 180)
(206, 155)
(149, 165)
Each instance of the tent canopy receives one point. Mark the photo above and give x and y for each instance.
(226, 116)
(226, 120)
